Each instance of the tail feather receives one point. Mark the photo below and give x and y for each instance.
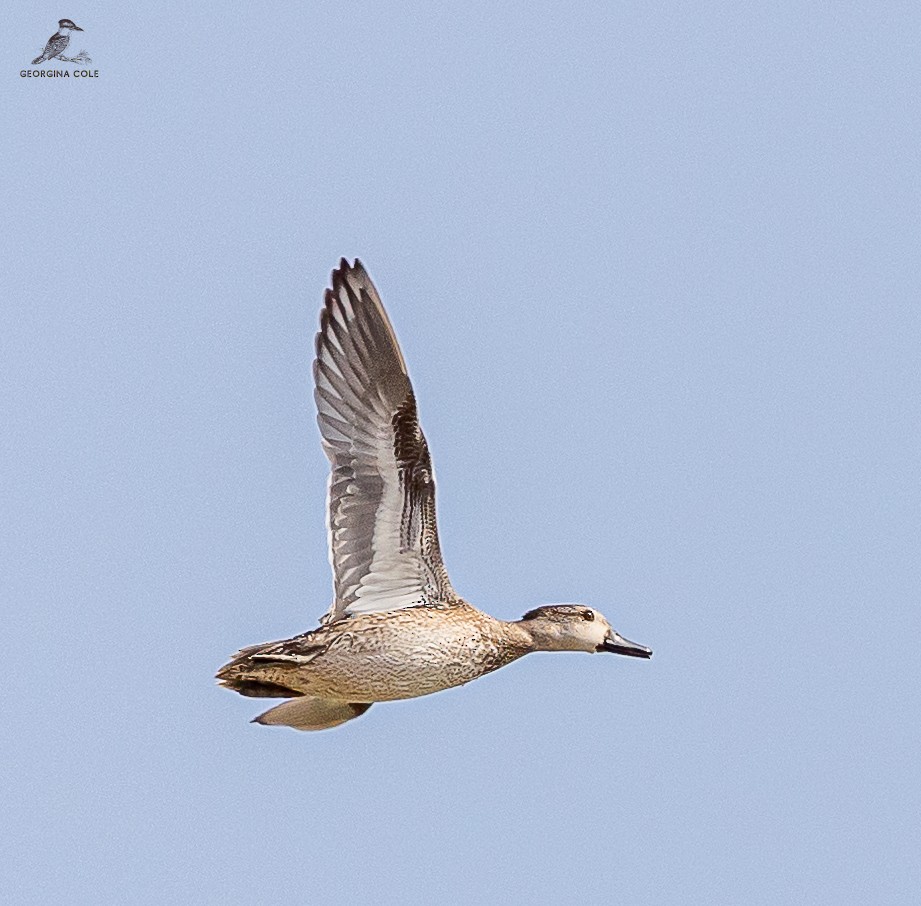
(259, 689)
(243, 675)
(272, 670)
(269, 668)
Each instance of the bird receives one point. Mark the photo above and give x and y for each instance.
(396, 628)
(58, 42)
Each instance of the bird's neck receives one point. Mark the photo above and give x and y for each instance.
(522, 634)
(544, 635)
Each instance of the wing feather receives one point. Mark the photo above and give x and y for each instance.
(383, 536)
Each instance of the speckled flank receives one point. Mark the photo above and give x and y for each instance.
(386, 656)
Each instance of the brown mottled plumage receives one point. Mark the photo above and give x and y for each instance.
(396, 628)
(386, 656)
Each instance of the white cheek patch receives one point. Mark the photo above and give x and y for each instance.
(599, 631)
(587, 636)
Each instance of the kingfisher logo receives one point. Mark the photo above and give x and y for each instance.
(54, 51)
(58, 43)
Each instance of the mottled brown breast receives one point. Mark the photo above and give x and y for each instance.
(408, 653)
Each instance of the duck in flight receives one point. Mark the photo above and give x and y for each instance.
(396, 628)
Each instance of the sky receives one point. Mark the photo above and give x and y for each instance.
(655, 271)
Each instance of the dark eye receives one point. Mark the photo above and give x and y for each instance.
(588, 615)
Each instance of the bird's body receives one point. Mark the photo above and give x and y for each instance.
(396, 628)
(376, 657)
(58, 42)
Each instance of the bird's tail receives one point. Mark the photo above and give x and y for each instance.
(261, 671)
(39, 59)
(252, 679)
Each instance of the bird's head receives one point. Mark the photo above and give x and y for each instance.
(575, 627)
(67, 24)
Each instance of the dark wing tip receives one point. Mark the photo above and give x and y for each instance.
(339, 274)
(362, 335)
(350, 277)
(344, 269)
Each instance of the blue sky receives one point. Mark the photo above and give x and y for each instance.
(655, 271)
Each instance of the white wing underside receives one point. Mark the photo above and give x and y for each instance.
(383, 540)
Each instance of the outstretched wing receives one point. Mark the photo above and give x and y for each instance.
(383, 540)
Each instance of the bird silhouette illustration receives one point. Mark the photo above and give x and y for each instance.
(58, 42)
